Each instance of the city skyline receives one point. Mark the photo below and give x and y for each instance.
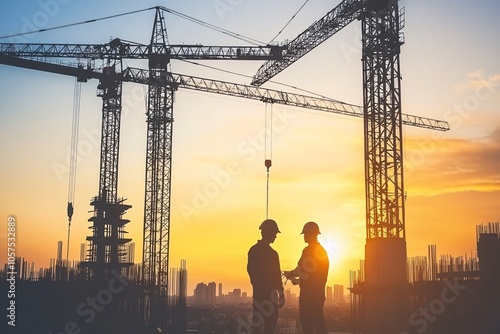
(218, 191)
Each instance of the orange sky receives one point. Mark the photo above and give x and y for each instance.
(452, 179)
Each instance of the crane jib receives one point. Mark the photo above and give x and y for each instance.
(219, 87)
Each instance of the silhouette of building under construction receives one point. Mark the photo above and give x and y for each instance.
(453, 295)
(61, 299)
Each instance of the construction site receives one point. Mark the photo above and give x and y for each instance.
(107, 293)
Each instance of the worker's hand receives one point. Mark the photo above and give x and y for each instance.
(288, 274)
(295, 280)
(281, 298)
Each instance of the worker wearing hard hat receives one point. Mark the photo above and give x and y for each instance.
(265, 275)
(311, 275)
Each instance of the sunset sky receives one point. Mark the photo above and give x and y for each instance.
(450, 72)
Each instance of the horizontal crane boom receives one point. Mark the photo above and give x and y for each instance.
(140, 51)
(220, 87)
(339, 17)
(275, 96)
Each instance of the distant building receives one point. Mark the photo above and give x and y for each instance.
(201, 294)
(329, 293)
(59, 252)
(82, 252)
(211, 288)
(206, 295)
(338, 294)
(237, 295)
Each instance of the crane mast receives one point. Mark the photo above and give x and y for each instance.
(106, 249)
(385, 206)
(156, 235)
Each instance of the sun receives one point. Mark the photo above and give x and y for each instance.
(334, 248)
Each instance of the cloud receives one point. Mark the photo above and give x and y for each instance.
(478, 80)
(454, 164)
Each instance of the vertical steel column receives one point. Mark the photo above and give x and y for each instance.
(107, 242)
(385, 290)
(158, 179)
(385, 210)
(104, 244)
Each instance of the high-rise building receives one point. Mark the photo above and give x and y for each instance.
(338, 294)
(329, 293)
(237, 295)
(59, 252)
(220, 289)
(211, 289)
(201, 294)
(82, 252)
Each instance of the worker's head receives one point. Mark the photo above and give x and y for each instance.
(269, 229)
(310, 231)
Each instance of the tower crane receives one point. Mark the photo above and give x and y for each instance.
(381, 22)
(107, 240)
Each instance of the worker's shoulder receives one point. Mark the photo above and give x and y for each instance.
(314, 249)
(257, 247)
(321, 253)
(261, 248)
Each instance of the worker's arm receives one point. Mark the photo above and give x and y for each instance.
(293, 275)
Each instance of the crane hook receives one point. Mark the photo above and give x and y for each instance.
(268, 164)
(70, 211)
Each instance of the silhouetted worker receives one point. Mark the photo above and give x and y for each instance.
(311, 274)
(265, 275)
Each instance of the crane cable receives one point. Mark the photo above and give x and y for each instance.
(286, 25)
(268, 146)
(73, 160)
(75, 23)
(251, 77)
(213, 27)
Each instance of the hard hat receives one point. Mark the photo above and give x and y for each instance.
(311, 227)
(269, 224)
